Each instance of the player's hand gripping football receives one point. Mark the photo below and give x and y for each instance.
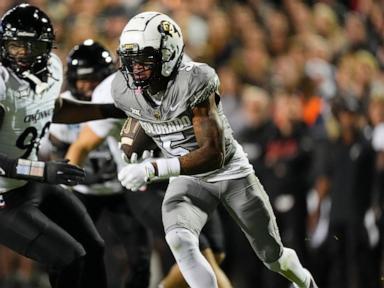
(135, 175)
(135, 159)
(60, 172)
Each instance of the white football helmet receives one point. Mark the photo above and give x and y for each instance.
(153, 40)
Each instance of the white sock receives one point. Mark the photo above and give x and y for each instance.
(290, 267)
(194, 267)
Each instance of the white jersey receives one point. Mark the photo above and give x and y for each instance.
(170, 123)
(27, 115)
(109, 128)
(107, 155)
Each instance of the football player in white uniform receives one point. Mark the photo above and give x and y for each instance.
(39, 220)
(178, 105)
(88, 64)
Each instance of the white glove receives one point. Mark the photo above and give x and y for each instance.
(147, 154)
(135, 176)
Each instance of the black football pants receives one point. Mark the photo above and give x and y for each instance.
(132, 234)
(51, 226)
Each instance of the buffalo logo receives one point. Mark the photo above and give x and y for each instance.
(157, 114)
(168, 28)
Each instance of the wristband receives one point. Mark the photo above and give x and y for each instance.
(149, 171)
(30, 169)
(168, 167)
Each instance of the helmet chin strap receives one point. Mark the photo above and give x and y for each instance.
(40, 86)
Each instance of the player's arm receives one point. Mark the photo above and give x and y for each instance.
(210, 138)
(72, 111)
(209, 156)
(52, 172)
(85, 143)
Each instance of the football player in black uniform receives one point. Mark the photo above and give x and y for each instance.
(39, 220)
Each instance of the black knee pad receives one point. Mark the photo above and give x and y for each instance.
(70, 258)
(55, 254)
(76, 265)
(68, 275)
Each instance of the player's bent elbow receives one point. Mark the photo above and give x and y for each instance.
(215, 159)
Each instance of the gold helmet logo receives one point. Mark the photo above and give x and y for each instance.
(168, 28)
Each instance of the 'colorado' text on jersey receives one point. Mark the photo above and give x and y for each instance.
(170, 123)
(27, 115)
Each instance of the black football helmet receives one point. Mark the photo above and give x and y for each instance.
(26, 40)
(88, 61)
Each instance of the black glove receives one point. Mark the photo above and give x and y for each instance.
(60, 172)
(52, 172)
(99, 170)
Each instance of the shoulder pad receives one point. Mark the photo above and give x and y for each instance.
(202, 81)
(122, 95)
(102, 93)
(56, 66)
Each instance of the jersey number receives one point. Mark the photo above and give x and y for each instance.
(189, 66)
(168, 144)
(34, 140)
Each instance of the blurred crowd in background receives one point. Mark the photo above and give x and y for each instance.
(302, 84)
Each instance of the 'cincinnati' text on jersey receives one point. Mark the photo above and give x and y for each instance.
(38, 115)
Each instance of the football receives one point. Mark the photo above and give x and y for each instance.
(133, 139)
